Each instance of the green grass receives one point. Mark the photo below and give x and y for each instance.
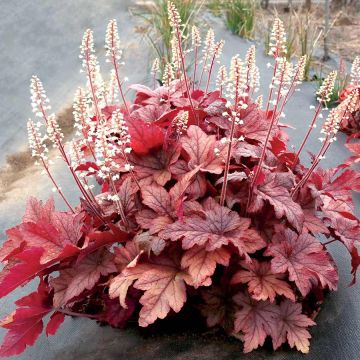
(240, 17)
(157, 27)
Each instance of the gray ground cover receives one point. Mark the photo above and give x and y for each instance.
(43, 37)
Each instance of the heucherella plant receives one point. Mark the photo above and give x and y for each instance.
(188, 194)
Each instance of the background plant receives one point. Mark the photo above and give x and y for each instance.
(157, 29)
(240, 17)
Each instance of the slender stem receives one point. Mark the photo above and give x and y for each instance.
(115, 65)
(195, 67)
(318, 109)
(89, 76)
(184, 73)
(117, 202)
(120, 85)
(209, 76)
(57, 187)
(271, 88)
(227, 163)
(203, 68)
(262, 158)
(289, 93)
(302, 182)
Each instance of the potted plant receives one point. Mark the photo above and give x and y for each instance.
(200, 201)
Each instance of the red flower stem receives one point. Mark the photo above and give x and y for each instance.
(115, 65)
(184, 72)
(203, 69)
(262, 158)
(119, 84)
(117, 202)
(271, 89)
(227, 163)
(209, 76)
(195, 67)
(88, 199)
(317, 112)
(305, 178)
(88, 73)
(289, 93)
(65, 158)
(319, 156)
(51, 177)
(131, 170)
(57, 187)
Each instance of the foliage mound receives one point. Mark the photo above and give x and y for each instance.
(201, 201)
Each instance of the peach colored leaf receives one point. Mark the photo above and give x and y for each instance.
(201, 263)
(263, 284)
(84, 276)
(126, 255)
(164, 290)
(120, 284)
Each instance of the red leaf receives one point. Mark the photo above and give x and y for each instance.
(26, 267)
(348, 180)
(25, 324)
(144, 136)
(292, 326)
(256, 319)
(355, 149)
(89, 166)
(114, 314)
(304, 258)
(56, 319)
(201, 263)
(263, 284)
(275, 192)
(256, 126)
(45, 236)
(99, 239)
(313, 224)
(348, 232)
(37, 211)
